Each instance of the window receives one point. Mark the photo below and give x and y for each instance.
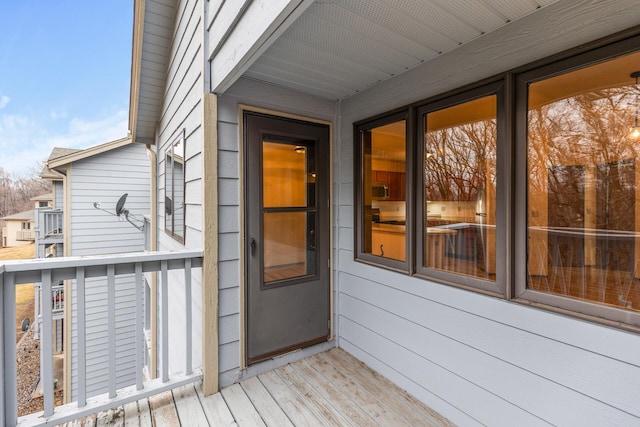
(174, 202)
(457, 206)
(531, 193)
(43, 204)
(382, 190)
(582, 186)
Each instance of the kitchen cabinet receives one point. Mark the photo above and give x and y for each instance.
(389, 242)
(396, 181)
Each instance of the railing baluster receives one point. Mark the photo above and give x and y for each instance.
(188, 312)
(111, 327)
(10, 386)
(82, 338)
(36, 311)
(47, 344)
(164, 314)
(139, 335)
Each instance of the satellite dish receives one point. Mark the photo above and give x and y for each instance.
(121, 211)
(120, 205)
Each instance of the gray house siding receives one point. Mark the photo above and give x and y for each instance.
(104, 178)
(250, 93)
(182, 114)
(476, 359)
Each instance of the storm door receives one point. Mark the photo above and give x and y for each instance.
(287, 234)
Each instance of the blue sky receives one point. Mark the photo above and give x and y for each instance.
(64, 77)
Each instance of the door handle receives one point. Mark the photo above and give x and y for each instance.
(253, 246)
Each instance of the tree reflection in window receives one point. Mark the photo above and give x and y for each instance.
(460, 188)
(582, 184)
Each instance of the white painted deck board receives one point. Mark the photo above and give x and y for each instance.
(329, 389)
(188, 405)
(216, 409)
(241, 407)
(267, 407)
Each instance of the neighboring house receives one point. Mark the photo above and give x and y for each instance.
(82, 221)
(18, 229)
(43, 201)
(400, 230)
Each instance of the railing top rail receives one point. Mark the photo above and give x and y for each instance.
(17, 266)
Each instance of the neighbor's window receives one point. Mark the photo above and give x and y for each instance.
(459, 163)
(381, 194)
(174, 203)
(583, 193)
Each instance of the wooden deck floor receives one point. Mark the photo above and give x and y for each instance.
(329, 389)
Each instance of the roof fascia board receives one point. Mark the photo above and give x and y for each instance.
(136, 64)
(261, 24)
(89, 152)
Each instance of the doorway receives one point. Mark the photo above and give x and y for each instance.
(287, 234)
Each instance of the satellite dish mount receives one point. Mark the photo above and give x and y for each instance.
(121, 212)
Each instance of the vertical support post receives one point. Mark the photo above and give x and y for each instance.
(8, 371)
(139, 335)
(111, 327)
(82, 338)
(164, 321)
(188, 312)
(46, 365)
(2, 351)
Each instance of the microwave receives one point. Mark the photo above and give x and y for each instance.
(380, 192)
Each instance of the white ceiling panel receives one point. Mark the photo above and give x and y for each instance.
(337, 48)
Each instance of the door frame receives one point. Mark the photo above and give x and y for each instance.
(242, 108)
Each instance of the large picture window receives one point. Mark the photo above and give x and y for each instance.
(583, 187)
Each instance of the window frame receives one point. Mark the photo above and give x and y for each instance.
(169, 226)
(405, 114)
(503, 150)
(555, 302)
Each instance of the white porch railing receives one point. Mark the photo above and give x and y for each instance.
(49, 222)
(57, 305)
(28, 235)
(48, 271)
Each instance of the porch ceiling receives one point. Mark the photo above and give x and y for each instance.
(340, 47)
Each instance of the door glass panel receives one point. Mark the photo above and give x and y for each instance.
(289, 245)
(289, 200)
(460, 188)
(285, 179)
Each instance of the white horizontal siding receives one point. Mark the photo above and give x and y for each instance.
(473, 358)
(104, 178)
(182, 112)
